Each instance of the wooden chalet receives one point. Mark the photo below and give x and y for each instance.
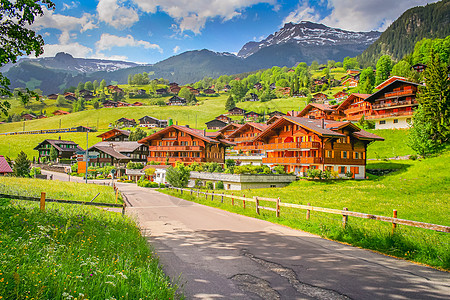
(230, 128)
(394, 104)
(175, 100)
(320, 97)
(52, 96)
(28, 117)
(127, 122)
(339, 96)
(389, 81)
(209, 91)
(224, 118)
(183, 144)
(173, 84)
(122, 104)
(318, 111)
(253, 97)
(60, 112)
(258, 86)
(148, 121)
(161, 91)
(226, 88)
(70, 98)
(41, 117)
(175, 89)
(5, 168)
(353, 71)
(236, 111)
(115, 89)
(65, 149)
(419, 67)
(243, 138)
(114, 135)
(195, 91)
(216, 124)
(300, 144)
(251, 115)
(138, 103)
(354, 107)
(109, 104)
(85, 93)
(272, 86)
(69, 94)
(272, 119)
(350, 82)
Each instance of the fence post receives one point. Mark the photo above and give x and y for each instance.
(344, 218)
(206, 194)
(212, 196)
(198, 193)
(42, 206)
(232, 200)
(117, 194)
(221, 201)
(257, 205)
(191, 192)
(243, 201)
(181, 191)
(278, 207)
(394, 225)
(123, 209)
(308, 212)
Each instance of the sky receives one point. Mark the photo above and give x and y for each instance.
(148, 31)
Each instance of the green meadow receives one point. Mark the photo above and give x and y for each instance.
(73, 251)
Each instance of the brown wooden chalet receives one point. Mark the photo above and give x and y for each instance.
(243, 138)
(52, 96)
(148, 121)
(236, 111)
(339, 96)
(258, 86)
(183, 144)
(122, 104)
(353, 71)
(272, 119)
(319, 97)
(109, 104)
(60, 112)
(85, 93)
(175, 100)
(70, 98)
(318, 111)
(276, 113)
(28, 117)
(216, 124)
(251, 115)
(138, 103)
(65, 149)
(394, 104)
(5, 168)
(350, 82)
(224, 118)
(175, 89)
(389, 81)
(161, 91)
(209, 91)
(354, 107)
(230, 128)
(127, 122)
(115, 135)
(300, 144)
(419, 67)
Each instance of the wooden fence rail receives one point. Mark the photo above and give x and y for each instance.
(345, 213)
(43, 200)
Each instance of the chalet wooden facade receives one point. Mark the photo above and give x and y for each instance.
(127, 122)
(230, 128)
(394, 104)
(114, 135)
(60, 112)
(339, 96)
(224, 118)
(300, 144)
(319, 111)
(350, 82)
(109, 104)
(251, 116)
(28, 117)
(175, 100)
(183, 144)
(161, 91)
(209, 91)
(319, 97)
(52, 96)
(175, 89)
(236, 111)
(276, 113)
(243, 138)
(64, 149)
(148, 121)
(419, 67)
(216, 124)
(354, 107)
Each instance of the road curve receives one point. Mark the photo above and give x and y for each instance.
(214, 254)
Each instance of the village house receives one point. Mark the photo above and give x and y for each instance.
(339, 96)
(5, 168)
(127, 122)
(419, 67)
(209, 91)
(251, 116)
(70, 98)
(175, 100)
(216, 124)
(181, 143)
(394, 104)
(64, 149)
(109, 104)
(275, 113)
(319, 111)
(247, 151)
(175, 89)
(229, 129)
(350, 82)
(52, 96)
(300, 144)
(138, 103)
(226, 88)
(161, 91)
(236, 111)
(258, 86)
(28, 117)
(353, 71)
(224, 118)
(319, 97)
(114, 135)
(354, 107)
(253, 97)
(148, 121)
(85, 93)
(60, 112)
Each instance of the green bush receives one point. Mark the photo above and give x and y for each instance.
(134, 165)
(198, 183)
(147, 183)
(209, 185)
(279, 170)
(74, 168)
(219, 185)
(314, 173)
(35, 171)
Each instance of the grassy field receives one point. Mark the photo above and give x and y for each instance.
(419, 191)
(73, 251)
(395, 144)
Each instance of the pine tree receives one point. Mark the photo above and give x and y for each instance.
(103, 84)
(230, 104)
(22, 165)
(384, 67)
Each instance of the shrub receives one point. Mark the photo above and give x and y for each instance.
(326, 174)
(198, 183)
(314, 173)
(134, 165)
(348, 174)
(219, 185)
(279, 170)
(146, 183)
(74, 168)
(209, 185)
(413, 157)
(178, 176)
(35, 171)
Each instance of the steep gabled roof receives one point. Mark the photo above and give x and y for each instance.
(121, 147)
(389, 81)
(4, 166)
(110, 150)
(217, 120)
(194, 132)
(350, 99)
(322, 107)
(387, 86)
(55, 144)
(124, 132)
(235, 125)
(258, 126)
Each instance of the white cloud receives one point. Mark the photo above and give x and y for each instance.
(62, 22)
(108, 41)
(75, 49)
(110, 12)
(67, 6)
(176, 49)
(193, 14)
(109, 57)
(355, 15)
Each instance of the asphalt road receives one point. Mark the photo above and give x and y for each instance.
(214, 254)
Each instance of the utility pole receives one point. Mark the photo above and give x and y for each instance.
(23, 126)
(59, 124)
(87, 154)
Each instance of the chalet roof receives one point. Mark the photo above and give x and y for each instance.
(217, 120)
(128, 119)
(4, 166)
(364, 135)
(322, 107)
(349, 100)
(110, 150)
(194, 132)
(148, 117)
(121, 147)
(156, 167)
(176, 98)
(389, 81)
(61, 112)
(393, 83)
(222, 115)
(237, 108)
(251, 112)
(258, 126)
(320, 94)
(273, 119)
(55, 144)
(339, 93)
(124, 132)
(235, 125)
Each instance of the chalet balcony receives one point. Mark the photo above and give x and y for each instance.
(249, 147)
(292, 160)
(243, 139)
(390, 115)
(399, 93)
(357, 109)
(174, 159)
(291, 146)
(394, 104)
(174, 148)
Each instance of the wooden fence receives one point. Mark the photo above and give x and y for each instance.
(43, 200)
(344, 212)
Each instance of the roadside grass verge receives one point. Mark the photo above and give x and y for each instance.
(56, 189)
(419, 191)
(75, 252)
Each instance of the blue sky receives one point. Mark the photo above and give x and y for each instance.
(148, 31)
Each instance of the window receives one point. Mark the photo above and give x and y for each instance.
(342, 170)
(273, 185)
(395, 121)
(329, 168)
(344, 154)
(382, 122)
(356, 155)
(329, 153)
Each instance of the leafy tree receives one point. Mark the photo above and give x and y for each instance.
(230, 104)
(89, 86)
(95, 103)
(282, 83)
(103, 84)
(53, 154)
(95, 84)
(16, 37)
(384, 67)
(350, 63)
(184, 93)
(137, 134)
(338, 64)
(191, 99)
(178, 176)
(22, 165)
(402, 68)
(366, 81)
(130, 79)
(420, 135)
(238, 89)
(314, 65)
(434, 98)
(80, 86)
